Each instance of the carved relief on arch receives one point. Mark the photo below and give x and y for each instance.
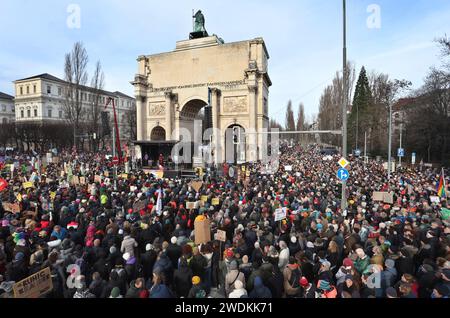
(156, 109)
(235, 104)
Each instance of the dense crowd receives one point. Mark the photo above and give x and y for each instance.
(106, 239)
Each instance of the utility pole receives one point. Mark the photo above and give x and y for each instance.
(401, 132)
(390, 141)
(344, 104)
(114, 154)
(365, 147)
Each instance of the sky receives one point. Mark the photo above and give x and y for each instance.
(303, 37)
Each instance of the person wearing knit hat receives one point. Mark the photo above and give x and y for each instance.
(144, 293)
(196, 280)
(391, 292)
(115, 293)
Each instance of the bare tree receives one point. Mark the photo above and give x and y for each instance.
(301, 122)
(76, 76)
(97, 84)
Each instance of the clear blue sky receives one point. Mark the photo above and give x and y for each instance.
(304, 38)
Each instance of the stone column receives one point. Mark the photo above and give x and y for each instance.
(140, 114)
(215, 98)
(168, 113)
(252, 138)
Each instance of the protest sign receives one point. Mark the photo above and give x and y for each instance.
(204, 198)
(11, 207)
(215, 201)
(221, 235)
(445, 214)
(75, 180)
(378, 196)
(280, 214)
(196, 185)
(83, 180)
(190, 205)
(34, 286)
(124, 176)
(287, 168)
(202, 229)
(27, 185)
(435, 199)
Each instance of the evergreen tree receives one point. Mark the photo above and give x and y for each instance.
(360, 115)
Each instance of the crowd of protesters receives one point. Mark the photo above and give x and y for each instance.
(105, 238)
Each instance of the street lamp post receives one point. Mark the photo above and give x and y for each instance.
(389, 142)
(344, 104)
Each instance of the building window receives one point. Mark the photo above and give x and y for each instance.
(21, 90)
(122, 103)
(28, 113)
(34, 88)
(12, 109)
(49, 113)
(49, 89)
(4, 108)
(59, 91)
(60, 114)
(35, 112)
(28, 89)
(21, 113)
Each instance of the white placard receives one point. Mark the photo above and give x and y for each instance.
(280, 214)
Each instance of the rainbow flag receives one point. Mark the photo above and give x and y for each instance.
(441, 185)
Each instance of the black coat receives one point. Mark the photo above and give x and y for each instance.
(405, 265)
(148, 260)
(16, 271)
(174, 252)
(182, 280)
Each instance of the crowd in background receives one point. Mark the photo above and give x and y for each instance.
(106, 238)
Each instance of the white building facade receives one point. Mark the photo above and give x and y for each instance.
(41, 98)
(6, 108)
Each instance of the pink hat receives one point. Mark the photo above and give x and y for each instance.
(5, 223)
(347, 262)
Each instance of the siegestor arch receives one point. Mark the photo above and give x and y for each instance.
(158, 133)
(191, 107)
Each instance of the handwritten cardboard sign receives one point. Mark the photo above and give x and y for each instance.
(204, 198)
(11, 207)
(34, 286)
(215, 201)
(190, 205)
(280, 214)
(27, 185)
(196, 185)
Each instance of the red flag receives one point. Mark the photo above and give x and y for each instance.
(3, 184)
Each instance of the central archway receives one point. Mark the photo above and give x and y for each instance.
(158, 134)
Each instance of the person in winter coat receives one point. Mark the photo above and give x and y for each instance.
(164, 265)
(294, 246)
(257, 255)
(405, 263)
(113, 282)
(82, 290)
(232, 276)
(283, 259)
(182, 279)
(198, 263)
(362, 261)
(159, 288)
(136, 287)
(115, 293)
(197, 290)
(128, 245)
(292, 275)
(325, 290)
(17, 269)
(97, 285)
(308, 290)
(174, 252)
(259, 290)
(148, 260)
(239, 290)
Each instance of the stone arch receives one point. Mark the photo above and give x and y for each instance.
(191, 107)
(158, 133)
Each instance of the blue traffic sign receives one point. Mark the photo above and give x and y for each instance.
(401, 152)
(343, 174)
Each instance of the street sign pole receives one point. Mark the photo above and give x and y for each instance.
(344, 104)
(389, 142)
(400, 158)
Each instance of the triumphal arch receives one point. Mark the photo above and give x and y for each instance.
(221, 85)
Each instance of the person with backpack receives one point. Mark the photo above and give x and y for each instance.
(232, 276)
(292, 275)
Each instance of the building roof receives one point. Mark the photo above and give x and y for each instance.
(56, 79)
(45, 76)
(6, 96)
(117, 93)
